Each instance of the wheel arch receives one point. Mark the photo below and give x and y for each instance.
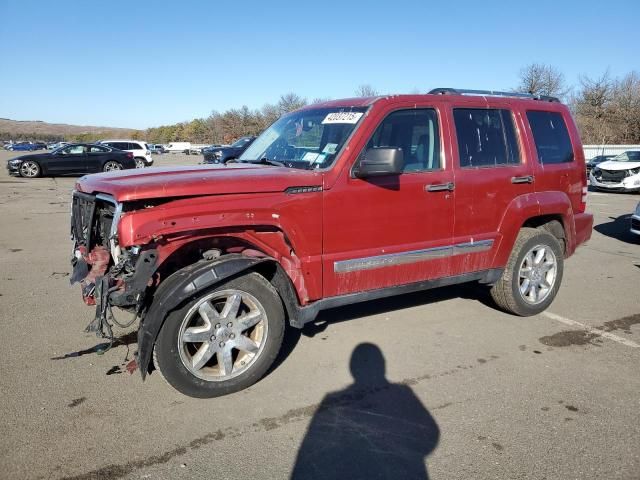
(183, 284)
(549, 210)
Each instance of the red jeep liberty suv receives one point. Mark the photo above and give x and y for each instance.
(335, 203)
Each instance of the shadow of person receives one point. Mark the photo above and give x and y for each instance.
(372, 429)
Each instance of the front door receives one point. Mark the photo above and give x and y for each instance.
(391, 230)
(71, 159)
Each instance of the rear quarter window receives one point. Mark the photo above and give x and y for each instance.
(551, 137)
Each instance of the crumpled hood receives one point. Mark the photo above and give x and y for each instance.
(614, 165)
(145, 183)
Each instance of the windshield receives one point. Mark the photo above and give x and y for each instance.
(305, 139)
(627, 157)
(240, 142)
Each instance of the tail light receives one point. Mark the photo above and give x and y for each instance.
(130, 155)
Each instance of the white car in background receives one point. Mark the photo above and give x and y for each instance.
(621, 173)
(140, 150)
(178, 147)
(635, 220)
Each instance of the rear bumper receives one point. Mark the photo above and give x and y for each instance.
(584, 226)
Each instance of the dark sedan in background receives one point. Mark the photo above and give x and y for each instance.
(224, 154)
(75, 158)
(596, 160)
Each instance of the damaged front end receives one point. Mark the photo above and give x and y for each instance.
(108, 274)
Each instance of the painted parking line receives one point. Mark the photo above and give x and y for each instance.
(595, 331)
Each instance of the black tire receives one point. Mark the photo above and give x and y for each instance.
(168, 358)
(140, 162)
(506, 292)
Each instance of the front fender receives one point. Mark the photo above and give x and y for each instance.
(180, 286)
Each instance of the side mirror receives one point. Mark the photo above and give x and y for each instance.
(380, 161)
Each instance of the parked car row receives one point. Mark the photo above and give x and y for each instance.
(222, 154)
(25, 146)
(75, 158)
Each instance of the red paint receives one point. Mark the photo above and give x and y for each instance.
(353, 218)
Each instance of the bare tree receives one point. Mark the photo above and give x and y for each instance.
(541, 79)
(608, 110)
(366, 90)
(289, 102)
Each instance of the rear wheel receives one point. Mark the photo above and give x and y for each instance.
(140, 163)
(222, 341)
(533, 274)
(30, 169)
(111, 165)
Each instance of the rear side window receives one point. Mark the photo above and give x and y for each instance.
(486, 137)
(416, 133)
(551, 136)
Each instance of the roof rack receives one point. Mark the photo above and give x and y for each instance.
(492, 93)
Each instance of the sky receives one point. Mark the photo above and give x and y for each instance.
(139, 64)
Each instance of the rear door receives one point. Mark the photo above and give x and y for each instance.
(96, 158)
(491, 172)
(392, 230)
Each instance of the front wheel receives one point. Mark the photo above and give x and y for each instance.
(30, 169)
(222, 341)
(533, 274)
(111, 166)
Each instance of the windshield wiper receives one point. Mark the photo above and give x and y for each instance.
(275, 163)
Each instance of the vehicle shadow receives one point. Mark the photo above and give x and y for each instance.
(470, 291)
(618, 229)
(371, 429)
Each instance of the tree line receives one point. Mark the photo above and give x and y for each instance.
(606, 110)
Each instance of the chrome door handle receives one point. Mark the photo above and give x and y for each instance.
(441, 187)
(525, 179)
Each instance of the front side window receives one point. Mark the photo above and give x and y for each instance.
(486, 137)
(551, 136)
(134, 146)
(416, 133)
(74, 150)
(310, 138)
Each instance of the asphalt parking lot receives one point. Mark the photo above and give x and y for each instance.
(483, 394)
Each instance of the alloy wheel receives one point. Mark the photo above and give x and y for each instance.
(222, 335)
(29, 169)
(537, 274)
(110, 166)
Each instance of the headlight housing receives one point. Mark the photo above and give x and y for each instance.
(217, 154)
(14, 162)
(633, 171)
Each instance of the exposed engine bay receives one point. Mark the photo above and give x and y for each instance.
(108, 275)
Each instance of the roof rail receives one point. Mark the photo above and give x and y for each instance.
(492, 93)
